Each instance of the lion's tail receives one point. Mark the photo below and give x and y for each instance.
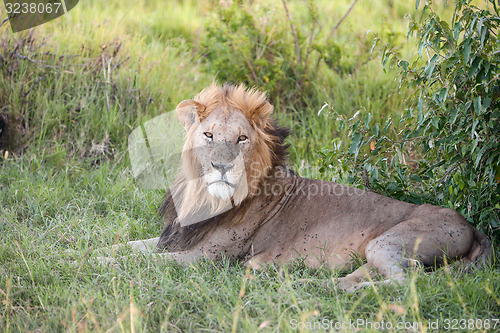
(481, 252)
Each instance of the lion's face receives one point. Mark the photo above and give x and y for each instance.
(228, 150)
(223, 144)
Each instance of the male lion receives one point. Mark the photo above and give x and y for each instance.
(235, 197)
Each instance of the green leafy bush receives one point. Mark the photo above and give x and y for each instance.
(264, 46)
(446, 147)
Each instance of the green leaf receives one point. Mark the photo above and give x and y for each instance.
(467, 49)
(416, 178)
(486, 67)
(479, 156)
(355, 144)
(434, 122)
(477, 104)
(474, 145)
(385, 58)
(341, 125)
(444, 67)
(373, 46)
(387, 125)
(456, 30)
(444, 24)
(455, 159)
(404, 64)
(393, 187)
(431, 65)
(473, 130)
(485, 33)
(481, 75)
(420, 103)
(475, 64)
(453, 115)
(441, 95)
(486, 102)
(367, 120)
(421, 49)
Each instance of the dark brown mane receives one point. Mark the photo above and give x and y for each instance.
(279, 134)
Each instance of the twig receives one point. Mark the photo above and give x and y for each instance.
(38, 79)
(452, 168)
(366, 180)
(342, 19)
(297, 47)
(311, 38)
(41, 63)
(495, 7)
(496, 77)
(408, 139)
(27, 58)
(251, 69)
(316, 23)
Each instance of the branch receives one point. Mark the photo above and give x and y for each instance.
(311, 37)
(251, 69)
(297, 47)
(341, 20)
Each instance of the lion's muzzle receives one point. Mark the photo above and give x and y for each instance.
(222, 167)
(226, 170)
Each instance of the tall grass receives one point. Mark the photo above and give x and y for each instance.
(133, 62)
(73, 89)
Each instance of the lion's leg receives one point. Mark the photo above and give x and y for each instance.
(381, 262)
(144, 245)
(148, 247)
(182, 257)
(426, 239)
(361, 278)
(360, 275)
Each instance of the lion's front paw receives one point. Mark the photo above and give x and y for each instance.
(350, 286)
(345, 283)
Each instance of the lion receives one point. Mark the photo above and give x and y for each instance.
(235, 197)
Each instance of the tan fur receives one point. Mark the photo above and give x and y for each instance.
(277, 216)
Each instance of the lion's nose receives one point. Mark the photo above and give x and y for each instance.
(222, 167)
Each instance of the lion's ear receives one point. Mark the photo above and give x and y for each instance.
(188, 112)
(262, 114)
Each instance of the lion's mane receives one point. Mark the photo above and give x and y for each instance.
(269, 151)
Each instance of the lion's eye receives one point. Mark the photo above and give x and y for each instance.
(242, 138)
(208, 135)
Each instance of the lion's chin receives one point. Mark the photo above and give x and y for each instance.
(221, 190)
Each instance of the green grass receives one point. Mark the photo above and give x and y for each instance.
(48, 209)
(75, 89)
